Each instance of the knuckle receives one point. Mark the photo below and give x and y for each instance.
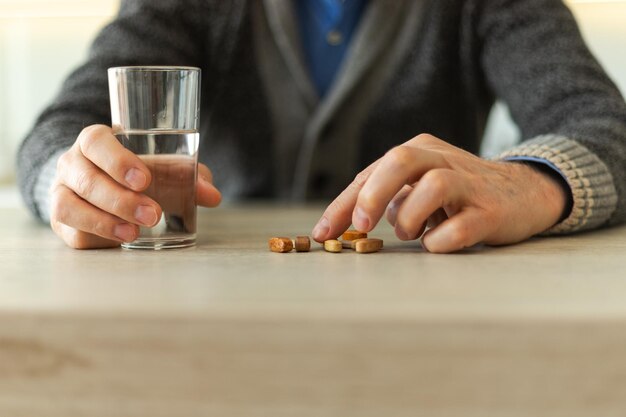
(368, 200)
(122, 204)
(64, 165)
(435, 182)
(80, 240)
(420, 139)
(64, 160)
(102, 228)
(93, 130)
(73, 238)
(58, 206)
(88, 137)
(425, 138)
(400, 156)
(360, 179)
(85, 182)
(55, 226)
(428, 141)
(57, 212)
(116, 204)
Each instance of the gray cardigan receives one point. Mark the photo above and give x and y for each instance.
(432, 66)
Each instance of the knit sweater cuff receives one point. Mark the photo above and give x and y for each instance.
(591, 183)
(44, 183)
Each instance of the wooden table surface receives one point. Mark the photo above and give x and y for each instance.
(230, 329)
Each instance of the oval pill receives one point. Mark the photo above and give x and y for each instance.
(353, 243)
(353, 235)
(368, 245)
(333, 246)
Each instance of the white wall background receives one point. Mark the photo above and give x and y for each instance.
(41, 41)
(603, 24)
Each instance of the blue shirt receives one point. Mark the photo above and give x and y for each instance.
(326, 28)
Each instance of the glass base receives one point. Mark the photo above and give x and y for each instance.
(152, 243)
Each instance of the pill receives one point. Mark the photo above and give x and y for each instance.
(353, 243)
(281, 244)
(353, 235)
(333, 246)
(368, 245)
(347, 244)
(303, 244)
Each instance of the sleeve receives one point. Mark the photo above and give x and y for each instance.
(43, 185)
(568, 110)
(145, 32)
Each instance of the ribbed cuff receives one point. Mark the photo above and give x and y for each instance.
(44, 183)
(593, 189)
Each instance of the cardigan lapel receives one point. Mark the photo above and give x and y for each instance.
(283, 23)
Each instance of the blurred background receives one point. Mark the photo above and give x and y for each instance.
(41, 41)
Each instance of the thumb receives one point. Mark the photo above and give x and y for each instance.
(207, 195)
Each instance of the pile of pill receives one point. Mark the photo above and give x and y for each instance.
(355, 240)
(351, 239)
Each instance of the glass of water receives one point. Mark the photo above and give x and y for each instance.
(155, 114)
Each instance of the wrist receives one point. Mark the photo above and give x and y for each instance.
(553, 191)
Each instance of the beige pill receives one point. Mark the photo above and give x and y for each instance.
(333, 246)
(303, 244)
(281, 244)
(368, 245)
(347, 244)
(353, 235)
(353, 243)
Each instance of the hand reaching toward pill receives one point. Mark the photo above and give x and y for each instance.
(464, 199)
(97, 199)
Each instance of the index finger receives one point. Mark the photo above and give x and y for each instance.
(98, 144)
(401, 166)
(338, 215)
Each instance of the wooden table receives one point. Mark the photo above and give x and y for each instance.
(230, 329)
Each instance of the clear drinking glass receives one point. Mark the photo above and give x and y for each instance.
(155, 114)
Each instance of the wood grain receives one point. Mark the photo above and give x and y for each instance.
(231, 329)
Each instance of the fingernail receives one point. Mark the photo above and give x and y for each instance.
(135, 178)
(321, 229)
(146, 215)
(402, 235)
(392, 213)
(124, 232)
(361, 220)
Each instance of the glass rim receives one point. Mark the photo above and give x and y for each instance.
(153, 68)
